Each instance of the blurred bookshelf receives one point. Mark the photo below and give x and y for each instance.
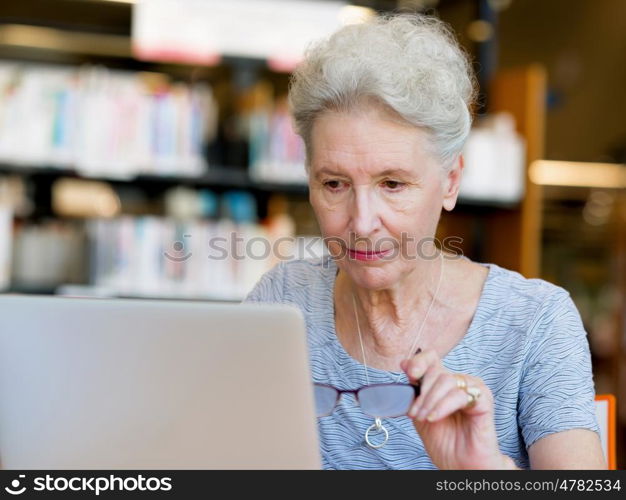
(156, 155)
(94, 131)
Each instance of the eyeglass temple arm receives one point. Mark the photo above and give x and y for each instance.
(416, 387)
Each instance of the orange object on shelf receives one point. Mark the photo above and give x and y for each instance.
(608, 426)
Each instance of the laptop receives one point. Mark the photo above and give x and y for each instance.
(149, 384)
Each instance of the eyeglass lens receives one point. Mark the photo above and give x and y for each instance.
(384, 401)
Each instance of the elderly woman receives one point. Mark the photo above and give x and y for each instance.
(500, 363)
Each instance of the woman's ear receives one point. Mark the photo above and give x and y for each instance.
(452, 184)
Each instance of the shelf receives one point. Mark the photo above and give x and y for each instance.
(472, 204)
(224, 177)
(34, 44)
(91, 292)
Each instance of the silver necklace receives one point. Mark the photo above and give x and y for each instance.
(378, 426)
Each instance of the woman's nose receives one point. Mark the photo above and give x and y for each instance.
(365, 215)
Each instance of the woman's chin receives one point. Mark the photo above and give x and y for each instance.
(373, 277)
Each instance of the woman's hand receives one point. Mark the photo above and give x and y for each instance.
(456, 435)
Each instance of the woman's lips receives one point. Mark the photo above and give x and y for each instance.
(361, 255)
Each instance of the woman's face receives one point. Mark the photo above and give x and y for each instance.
(377, 192)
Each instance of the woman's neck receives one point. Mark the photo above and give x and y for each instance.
(390, 319)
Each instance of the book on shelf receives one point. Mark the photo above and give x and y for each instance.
(47, 254)
(161, 256)
(6, 239)
(101, 122)
(276, 152)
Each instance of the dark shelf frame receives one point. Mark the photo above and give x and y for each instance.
(217, 177)
(222, 177)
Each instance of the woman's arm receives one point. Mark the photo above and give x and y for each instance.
(556, 410)
(572, 449)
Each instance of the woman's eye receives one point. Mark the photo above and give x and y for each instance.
(393, 185)
(333, 185)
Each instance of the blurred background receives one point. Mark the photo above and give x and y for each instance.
(132, 133)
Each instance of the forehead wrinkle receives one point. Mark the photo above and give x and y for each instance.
(350, 150)
(371, 167)
(363, 145)
(387, 159)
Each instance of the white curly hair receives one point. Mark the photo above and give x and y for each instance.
(412, 64)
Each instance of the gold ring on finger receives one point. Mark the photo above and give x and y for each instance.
(473, 394)
(461, 383)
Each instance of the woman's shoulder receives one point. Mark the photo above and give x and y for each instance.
(523, 302)
(515, 287)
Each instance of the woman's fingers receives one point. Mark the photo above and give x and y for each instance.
(455, 399)
(424, 368)
(416, 367)
(436, 388)
(440, 394)
(443, 403)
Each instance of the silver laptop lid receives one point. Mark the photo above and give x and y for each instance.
(139, 384)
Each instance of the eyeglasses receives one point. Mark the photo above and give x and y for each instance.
(377, 400)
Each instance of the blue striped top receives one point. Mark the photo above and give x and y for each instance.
(526, 341)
